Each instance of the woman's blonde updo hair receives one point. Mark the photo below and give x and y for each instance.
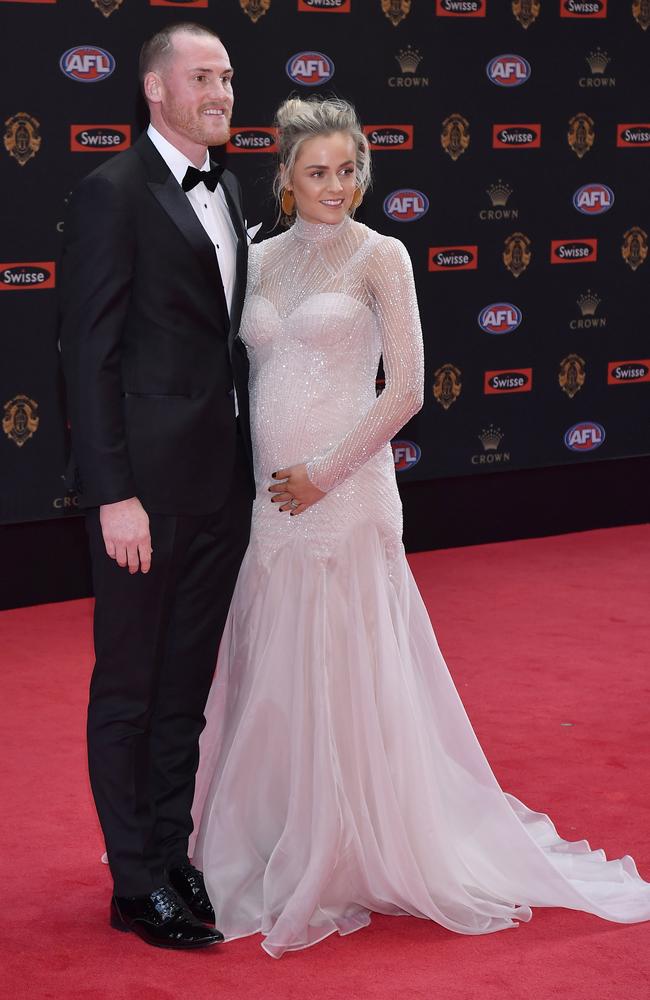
(298, 119)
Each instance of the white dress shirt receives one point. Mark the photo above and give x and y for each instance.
(211, 209)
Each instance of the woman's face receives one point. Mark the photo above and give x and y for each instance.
(324, 178)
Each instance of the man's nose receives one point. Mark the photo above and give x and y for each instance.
(218, 92)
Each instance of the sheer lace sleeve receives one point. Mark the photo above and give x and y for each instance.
(390, 282)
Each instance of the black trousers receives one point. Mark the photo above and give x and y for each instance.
(156, 643)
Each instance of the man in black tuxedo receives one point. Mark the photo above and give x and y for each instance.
(153, 278)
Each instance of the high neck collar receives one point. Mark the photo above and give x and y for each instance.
(318, 232)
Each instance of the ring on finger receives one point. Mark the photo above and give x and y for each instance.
(294, 503)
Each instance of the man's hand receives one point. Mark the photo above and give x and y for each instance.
(125, 527)
(297, 492)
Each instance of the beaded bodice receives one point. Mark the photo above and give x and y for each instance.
(323, 304)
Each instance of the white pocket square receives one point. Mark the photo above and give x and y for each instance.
(252, 231)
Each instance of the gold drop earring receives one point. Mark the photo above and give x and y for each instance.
(357, 198)
(288, 202)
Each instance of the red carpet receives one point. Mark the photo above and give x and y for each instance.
(539, 634)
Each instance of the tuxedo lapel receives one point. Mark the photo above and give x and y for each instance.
(173, 199)
(175, 203)
(232, 198)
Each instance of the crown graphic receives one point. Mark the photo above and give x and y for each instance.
(598, 60)
(588, 302)
(499, 193)
(490, 437)
(409, 59)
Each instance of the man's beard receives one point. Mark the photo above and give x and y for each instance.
(190, 124)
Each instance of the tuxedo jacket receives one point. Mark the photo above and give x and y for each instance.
(149, 353)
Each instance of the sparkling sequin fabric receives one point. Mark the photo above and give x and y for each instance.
(339, 772)
(323, 304)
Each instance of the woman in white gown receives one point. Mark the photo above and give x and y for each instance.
(339, 772)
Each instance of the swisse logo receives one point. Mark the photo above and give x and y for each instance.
(500, 317)
(87, 64)
(622, 372)
(632, 136)
(463, 258)
(518, 380)
(516, 136)
(389, 136)
(253, 139)
(310, 69)
(331, 6)
(99, 138)
(461, 8)
(27, 276)
(593, 199)
(406, 454)
(508, 70)
(583, 8)
(574, 251)
(406, 205)
(585, 436)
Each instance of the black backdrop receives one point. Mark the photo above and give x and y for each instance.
(519, 128)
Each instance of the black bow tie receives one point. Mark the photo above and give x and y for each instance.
(209, 177)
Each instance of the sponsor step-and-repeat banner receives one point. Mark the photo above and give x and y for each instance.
(511, 143)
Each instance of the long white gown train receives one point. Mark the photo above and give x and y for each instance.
(339, 772)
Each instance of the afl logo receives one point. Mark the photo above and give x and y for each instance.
(406, 454)
(593, 199)
(500, 317)
(87, 64)
(310, 69)
(406, 205)
(508, 70)
(586, 436)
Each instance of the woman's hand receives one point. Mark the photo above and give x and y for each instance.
(294, 490)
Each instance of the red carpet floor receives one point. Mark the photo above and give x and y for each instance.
(548, 641)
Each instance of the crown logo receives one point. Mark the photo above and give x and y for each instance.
(490, 437)
(598, 60)
(499, 193)
(588, 303)
(409, 59)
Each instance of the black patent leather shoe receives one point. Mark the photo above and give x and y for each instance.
(162, 919)
(189, 884)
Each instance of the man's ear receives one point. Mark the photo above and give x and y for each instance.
(153, 88)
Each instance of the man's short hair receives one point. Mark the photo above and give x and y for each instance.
(157, 49)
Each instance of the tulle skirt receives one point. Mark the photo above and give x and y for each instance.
(340, 774)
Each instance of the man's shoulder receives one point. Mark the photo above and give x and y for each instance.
(120, 169)
(122, 172)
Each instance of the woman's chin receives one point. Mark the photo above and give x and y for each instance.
(329, 215)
